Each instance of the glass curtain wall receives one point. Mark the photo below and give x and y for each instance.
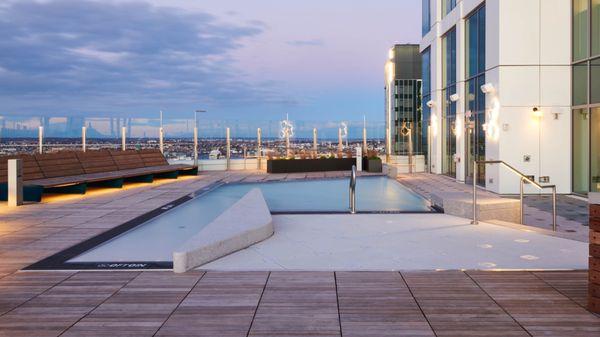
(586, 96)
(408, 115)
(449, 107)
(448, 6)
(475, 104)
(426, 97)
(426, 17)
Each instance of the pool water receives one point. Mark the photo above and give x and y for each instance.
(159, 237)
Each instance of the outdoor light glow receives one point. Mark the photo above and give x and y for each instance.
(538, 113)
(458, 129)
(492, 128)
(434, 122)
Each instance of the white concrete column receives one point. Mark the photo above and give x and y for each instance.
(15, 182)
(83, 138)
(123, 138)
(359, 159)
(195, 145)
(161, 135)
(340, 144)
(41, 139)
(258, 148)
(228, 149)
(315, 145)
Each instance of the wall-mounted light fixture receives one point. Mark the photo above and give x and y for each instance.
(454, 97)
(537, 112)
(488, 88)
(430, 104)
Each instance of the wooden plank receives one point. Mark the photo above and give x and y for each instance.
(298, 303)
(378, 304)
(456, 306)
(221, 304)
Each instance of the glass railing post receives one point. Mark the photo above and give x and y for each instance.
(474, 193)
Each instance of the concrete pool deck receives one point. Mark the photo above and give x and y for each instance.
(385, 242)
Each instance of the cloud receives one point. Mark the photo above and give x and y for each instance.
(81, 56)
(304, 43)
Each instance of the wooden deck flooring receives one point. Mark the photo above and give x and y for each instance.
(285, 304)
(276, 304)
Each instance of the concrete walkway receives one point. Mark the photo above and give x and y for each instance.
(572, 211)
(401, 242)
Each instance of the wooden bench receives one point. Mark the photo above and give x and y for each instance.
(73, 172)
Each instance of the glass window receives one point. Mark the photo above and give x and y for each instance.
(426, 71)
(448, 6)
(595, 87)
(581, 151)
(595, 27)
(449, 58)
(580, 84)
(580, 29)
(475, 36)
(595, 150)
(426, 19)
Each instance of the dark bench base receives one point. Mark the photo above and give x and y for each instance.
(69, 189)
(30, 192)
(146, 178)
(115, 183)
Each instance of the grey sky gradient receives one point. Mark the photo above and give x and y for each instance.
(317, 60)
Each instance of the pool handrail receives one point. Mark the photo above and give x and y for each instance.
(353, 190)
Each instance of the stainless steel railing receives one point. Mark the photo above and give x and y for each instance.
(524, 179)
(352, 190)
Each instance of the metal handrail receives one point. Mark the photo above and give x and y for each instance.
(523, 179)
(352, 190)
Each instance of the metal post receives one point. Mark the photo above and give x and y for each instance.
(83, 138)
(123, 138)
(521, 198)
(410, 151)
(554, 208)
(15, 182)
(315, 147)
(258, 148)
(195, 146)
(161, 135)
(474, 193)
(359, 154)
(41, 139)
(352, 191)
(228, 153)
(364, 134)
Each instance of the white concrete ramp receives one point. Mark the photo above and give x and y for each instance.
(246, 222)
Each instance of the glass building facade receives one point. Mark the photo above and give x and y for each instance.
(404, 111)
(448, 106)
(426, 97)
(475, 114)
(448, 6)
(586, 96)
(426, 17)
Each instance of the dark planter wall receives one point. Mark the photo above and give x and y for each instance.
(372, 165)
(309, 165)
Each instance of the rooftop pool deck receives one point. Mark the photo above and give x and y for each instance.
(257, 303)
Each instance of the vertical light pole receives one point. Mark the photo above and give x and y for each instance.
(196, 135)
(228, 149)
(259, 147)
(315, 148)
(161, 135)
(340, 144)
(41, 139)
(83, 138)
(364, 134)
(123, 138)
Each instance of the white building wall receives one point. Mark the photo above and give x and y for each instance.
(528, 45)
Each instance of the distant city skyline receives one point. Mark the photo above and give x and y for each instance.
(245, 60)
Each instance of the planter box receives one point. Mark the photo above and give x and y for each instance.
(372, 165)
(309, 165)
